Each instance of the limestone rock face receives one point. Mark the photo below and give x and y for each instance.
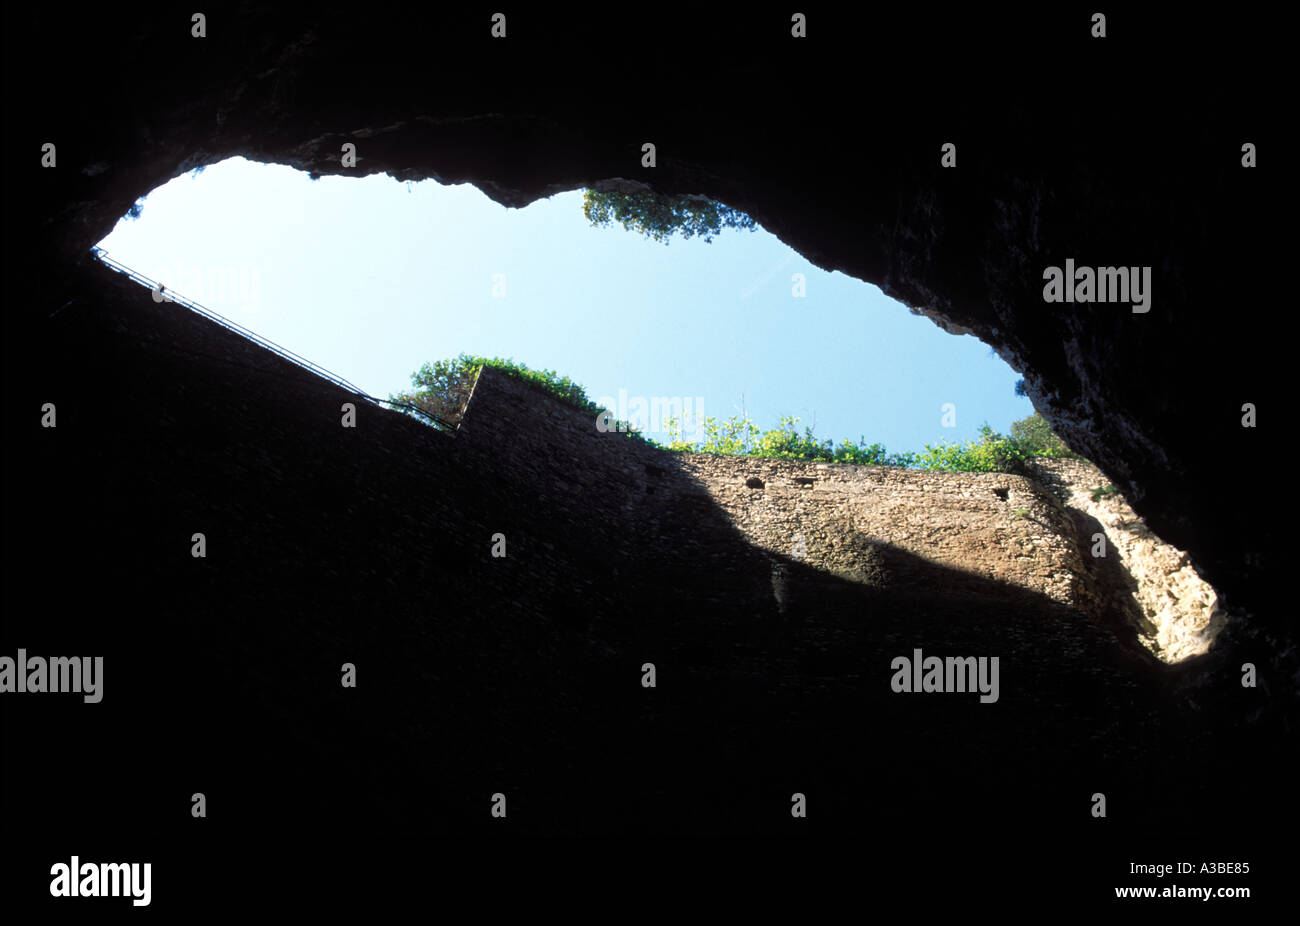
(1177, 613)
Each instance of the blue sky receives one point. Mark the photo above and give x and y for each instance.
(371, 277)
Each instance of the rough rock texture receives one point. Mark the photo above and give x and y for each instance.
(881, 527)
(1176, 612)
(846, 519)
(1034, 533)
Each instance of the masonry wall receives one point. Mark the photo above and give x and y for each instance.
(881, 527)
(646, 518)
(847, 519)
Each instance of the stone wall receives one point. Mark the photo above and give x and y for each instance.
(845, 519)
(882, 527)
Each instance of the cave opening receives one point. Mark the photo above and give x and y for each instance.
(370, 278)
(719, 343)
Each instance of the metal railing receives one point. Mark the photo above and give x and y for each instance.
(169, 295)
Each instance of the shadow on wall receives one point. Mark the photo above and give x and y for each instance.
(521, 674)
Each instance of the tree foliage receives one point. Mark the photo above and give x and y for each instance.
(1036, 431)
(659, 217)
(442, 389)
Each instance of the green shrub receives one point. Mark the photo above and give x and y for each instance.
(1034, 434)
(442, 390)
(991, 453)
